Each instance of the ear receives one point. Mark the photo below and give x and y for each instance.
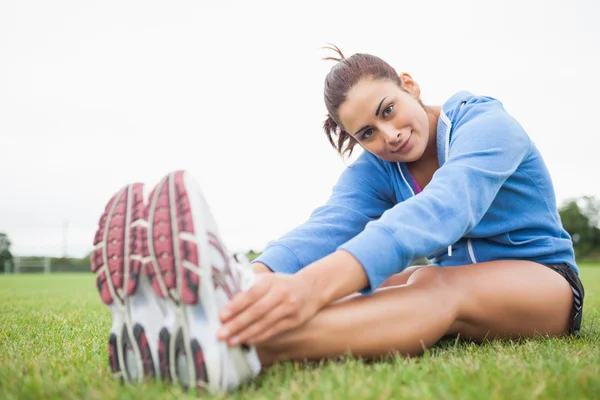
(410, 85)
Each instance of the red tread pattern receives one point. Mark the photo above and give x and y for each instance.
(220, 278)
(163, 354)
(113, 359)
(199, 366)
(163, 243)
(138, 238)
(163, 240)
(115, 244)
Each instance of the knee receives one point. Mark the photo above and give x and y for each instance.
(430, 276)
(437, 282)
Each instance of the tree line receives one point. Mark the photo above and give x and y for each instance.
(580, 218)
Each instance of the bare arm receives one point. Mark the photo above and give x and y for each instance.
(333, 277)
(260, 268)
(330, 278)
(394, 280)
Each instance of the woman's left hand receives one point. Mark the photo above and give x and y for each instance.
(276, 303)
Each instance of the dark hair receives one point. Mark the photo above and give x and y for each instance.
(338, 82)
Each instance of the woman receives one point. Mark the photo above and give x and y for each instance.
(461, 184)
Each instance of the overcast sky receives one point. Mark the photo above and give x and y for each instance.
(96, 94)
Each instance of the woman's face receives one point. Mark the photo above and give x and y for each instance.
(386, 120)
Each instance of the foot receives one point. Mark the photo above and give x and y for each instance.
(192, 272)
(118, 262)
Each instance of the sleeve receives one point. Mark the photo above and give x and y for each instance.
(484, 151)
(362, 193)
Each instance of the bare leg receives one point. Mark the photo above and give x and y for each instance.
(500, 299)
(401, 278)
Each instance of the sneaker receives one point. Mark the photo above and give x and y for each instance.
(191, 270)
(118, 261)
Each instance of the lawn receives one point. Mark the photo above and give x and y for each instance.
(53, 344)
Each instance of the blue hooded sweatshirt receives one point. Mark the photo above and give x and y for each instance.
(491, 199)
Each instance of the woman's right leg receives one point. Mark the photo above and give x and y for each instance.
(499, 299)
(406, 318)
(401, 278)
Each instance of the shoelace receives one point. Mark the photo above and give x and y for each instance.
(245, 272)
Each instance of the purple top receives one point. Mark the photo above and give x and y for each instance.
(415, 184)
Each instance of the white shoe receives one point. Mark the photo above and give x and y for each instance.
(137, 312)
(192, 271)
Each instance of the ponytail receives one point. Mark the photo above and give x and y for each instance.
(332, 129)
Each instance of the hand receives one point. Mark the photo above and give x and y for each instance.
(276, 303)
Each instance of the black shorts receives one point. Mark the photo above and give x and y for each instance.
(578, 293)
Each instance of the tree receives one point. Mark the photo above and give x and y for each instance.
(581, 219)
(590, 207)
(5, 254)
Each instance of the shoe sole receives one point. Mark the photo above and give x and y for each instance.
(182, 272)
(117, 261)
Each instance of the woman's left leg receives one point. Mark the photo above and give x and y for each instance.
(500, 299)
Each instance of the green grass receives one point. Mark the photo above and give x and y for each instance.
(53, 344)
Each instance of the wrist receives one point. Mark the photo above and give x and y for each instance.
(315, 298)
(334, 277)
(260, 268)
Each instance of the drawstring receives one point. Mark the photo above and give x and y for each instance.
(449, 251)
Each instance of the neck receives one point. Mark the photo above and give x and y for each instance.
(430, 155)
(424, 168)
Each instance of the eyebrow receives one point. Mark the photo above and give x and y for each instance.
(376, 114)
(379, 106)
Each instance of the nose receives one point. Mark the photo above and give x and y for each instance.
(391, 134)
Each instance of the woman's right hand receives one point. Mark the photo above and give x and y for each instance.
(274, 304)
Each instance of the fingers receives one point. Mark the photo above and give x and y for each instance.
(265, 334)
(235, 330)
(275, 313)
(274, 304)
(243, 300)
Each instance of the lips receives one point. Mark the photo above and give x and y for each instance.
(403, 145)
